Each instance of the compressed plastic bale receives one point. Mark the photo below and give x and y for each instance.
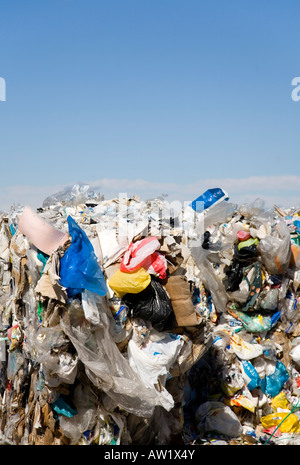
(129, 283)
(181, 298)
(41, 234)
(87, 325)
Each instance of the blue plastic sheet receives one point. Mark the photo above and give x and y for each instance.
(79, 267)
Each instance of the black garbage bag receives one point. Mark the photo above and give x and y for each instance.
(152, 304)
(234, 275)
(206, 238)
(246, 254)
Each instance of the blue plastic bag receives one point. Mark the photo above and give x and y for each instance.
(252, 378)
(209, 198)
(79, 268)
(273, 384)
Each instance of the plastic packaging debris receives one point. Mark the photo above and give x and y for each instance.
(153, 360)
(152, 304)
(287, 423)
(276, 249)
(129, 322)
(144, 254)
(209, 198)
(42, 234)
(79, 267)
(274, 382)
(215, 416)
(129, 283)
(257, 323)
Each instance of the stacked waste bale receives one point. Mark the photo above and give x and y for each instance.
(129, 322)
(251, 267)
(92, 352)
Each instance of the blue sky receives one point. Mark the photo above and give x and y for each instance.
(150, 96)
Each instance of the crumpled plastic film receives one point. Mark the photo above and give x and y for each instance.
(106, 366)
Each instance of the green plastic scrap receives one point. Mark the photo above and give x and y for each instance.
(40, 311)
(42, 258)
(256, 323)
(61, 407)
(248, 243)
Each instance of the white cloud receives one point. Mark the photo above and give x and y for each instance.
(281, 190)
(25, 195)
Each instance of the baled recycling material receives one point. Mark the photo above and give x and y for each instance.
(126, 321)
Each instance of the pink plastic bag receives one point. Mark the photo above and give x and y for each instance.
(144, 254)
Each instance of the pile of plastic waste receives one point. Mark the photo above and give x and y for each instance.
(146, 322)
